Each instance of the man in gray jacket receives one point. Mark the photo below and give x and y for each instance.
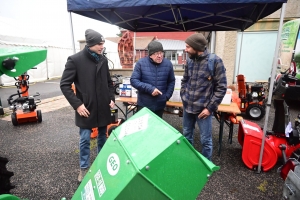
(88, 70)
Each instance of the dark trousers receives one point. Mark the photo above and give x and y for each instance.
(157, 112)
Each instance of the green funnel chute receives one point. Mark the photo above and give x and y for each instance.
(16, 61)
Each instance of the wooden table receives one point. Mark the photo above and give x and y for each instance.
(220, 114)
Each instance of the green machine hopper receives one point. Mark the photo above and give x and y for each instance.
(16, 61)
(146, 158)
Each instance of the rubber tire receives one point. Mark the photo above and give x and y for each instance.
(117, 89)
(1, 111)
(111, 129)
(255, 106)
(14, 119)
(39, 116)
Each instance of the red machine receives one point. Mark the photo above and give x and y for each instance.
(24, 106)
(252, 99)
(287, 85)
(277, 143)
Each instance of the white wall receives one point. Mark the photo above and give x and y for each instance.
(56, 60)
(256, 55)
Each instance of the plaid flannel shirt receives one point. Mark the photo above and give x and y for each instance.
(199, 89)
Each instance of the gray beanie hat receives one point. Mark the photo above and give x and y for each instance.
(92, 37)
(154, 46)
(197, 41)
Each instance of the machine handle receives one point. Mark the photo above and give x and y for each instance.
(36, 95)
(282, 147)
(38, 101)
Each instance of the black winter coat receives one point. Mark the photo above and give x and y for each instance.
(94, 88)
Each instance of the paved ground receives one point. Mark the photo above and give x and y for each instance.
(44, 157)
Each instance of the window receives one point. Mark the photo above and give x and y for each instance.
(171, 55)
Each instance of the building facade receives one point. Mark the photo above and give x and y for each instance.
(227, 42)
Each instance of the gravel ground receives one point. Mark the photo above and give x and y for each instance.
(44, 159)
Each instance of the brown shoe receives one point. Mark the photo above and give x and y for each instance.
(82, 173)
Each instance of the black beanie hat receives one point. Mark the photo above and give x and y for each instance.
(92, 37)
(154, 46)
(197, 41)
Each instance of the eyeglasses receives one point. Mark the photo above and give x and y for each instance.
(160, 53)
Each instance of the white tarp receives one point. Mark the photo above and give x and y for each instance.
(112, 54)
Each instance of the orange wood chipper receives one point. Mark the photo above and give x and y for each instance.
(252, 98)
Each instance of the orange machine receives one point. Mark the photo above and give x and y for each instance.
(24, 106)
(252, 98)
(115, 123)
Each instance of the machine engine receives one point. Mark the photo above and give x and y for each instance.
(256, 93)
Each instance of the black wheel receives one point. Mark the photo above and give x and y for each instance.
(1, 111)
(117, 89)
(39, 116)
(255, 111)
(111, 129)
(14, 119)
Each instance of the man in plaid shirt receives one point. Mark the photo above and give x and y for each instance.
(202, 90)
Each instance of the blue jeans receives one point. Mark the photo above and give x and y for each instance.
(205, 127)
(84, 144)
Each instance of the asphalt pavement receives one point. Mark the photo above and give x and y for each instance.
(44, 156)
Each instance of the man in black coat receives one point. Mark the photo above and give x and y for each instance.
(94, 96)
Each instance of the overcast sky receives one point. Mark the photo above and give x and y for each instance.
(50, 20)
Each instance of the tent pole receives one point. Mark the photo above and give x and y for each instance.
(271, 86)
(213, 42)
(47, 71)
(238, 71)
(72, 32)
(134, 53)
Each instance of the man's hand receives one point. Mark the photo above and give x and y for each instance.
(112, 104)
(82, 111)
(156, 92)
(205, 112)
